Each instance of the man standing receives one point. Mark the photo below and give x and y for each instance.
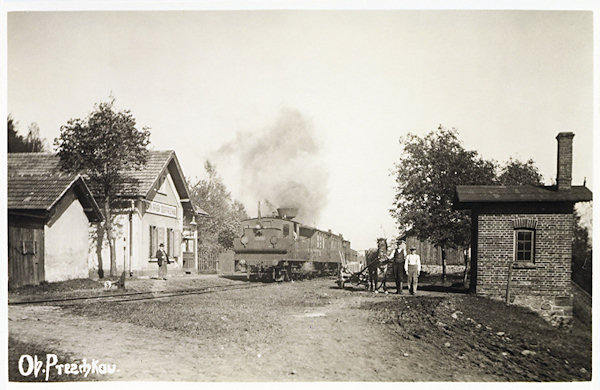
(398, 264)
(412, 266)
(163, 260)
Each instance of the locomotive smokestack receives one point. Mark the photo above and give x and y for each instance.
(287, 212)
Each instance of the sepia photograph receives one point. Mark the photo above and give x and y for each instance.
(306, 192)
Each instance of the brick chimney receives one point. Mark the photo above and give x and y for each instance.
(564, 159)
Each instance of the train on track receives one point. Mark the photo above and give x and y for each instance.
(278, 248)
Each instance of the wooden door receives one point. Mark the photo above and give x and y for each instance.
(25, 255)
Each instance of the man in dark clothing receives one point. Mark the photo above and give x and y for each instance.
(398, 264)
(163, 260)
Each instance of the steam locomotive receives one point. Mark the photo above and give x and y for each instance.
(278, 248)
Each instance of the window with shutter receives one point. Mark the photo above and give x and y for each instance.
(177, 243)
(153, 241)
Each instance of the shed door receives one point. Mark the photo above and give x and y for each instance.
(25, 256)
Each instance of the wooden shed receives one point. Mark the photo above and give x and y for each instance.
(48, 218)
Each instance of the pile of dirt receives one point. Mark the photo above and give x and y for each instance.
(470, 332)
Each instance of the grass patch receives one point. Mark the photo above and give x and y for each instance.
(64, 286)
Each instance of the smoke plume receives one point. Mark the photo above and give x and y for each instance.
(281, 166)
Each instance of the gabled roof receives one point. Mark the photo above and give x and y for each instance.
(43, 192)
(469, 195)
(138, 182)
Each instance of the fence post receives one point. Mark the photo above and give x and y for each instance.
(508, 282)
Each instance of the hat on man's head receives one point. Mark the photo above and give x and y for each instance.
(413, 249)
(161, 244)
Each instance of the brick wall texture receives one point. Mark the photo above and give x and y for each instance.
(544, 286)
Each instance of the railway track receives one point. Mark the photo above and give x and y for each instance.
(135, 296)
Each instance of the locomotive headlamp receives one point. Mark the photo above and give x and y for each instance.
(244, 240)
(273, 241)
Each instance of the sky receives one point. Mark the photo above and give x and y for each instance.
(354, 81)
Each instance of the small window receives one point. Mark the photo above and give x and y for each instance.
(525, 245)
(286, 230)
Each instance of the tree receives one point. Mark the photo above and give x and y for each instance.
(104, 146)
(515, 172)
(32, 141)
(582, 254)
(223, 226)
(427, 174)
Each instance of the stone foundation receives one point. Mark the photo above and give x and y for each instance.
(556, 310)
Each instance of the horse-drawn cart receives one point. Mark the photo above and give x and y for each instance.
(351, 273)
(376, 267)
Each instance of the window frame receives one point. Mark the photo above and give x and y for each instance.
(516, 251)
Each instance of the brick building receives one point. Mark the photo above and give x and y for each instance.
(521, 238)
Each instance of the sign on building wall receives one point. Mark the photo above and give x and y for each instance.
(161, 209)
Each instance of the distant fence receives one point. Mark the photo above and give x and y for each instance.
(432, 255)
(208, 260)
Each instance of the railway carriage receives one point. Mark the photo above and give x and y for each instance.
(279, 248)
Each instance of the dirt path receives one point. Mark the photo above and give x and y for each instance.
(332, 342)
(306, 331)
(326, 343)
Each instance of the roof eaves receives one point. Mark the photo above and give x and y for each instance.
(64, 191)
(96, 208)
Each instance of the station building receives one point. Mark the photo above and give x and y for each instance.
(153, 207)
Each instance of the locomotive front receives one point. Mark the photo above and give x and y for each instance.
(265, 244)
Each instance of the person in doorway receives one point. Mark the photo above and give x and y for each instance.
(398, 264)
(412, 266)
(163, 260)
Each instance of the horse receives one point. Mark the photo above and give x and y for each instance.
(377, 263)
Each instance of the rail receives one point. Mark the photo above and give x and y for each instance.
(135, 296)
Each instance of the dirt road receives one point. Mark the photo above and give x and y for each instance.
(306, 331)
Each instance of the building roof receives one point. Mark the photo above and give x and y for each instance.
(137, 183)
(199, 211)
(42, 192)
(466, 196)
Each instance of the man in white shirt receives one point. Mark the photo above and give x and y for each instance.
(412, 266)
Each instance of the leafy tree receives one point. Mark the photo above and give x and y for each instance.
(515, 172)
(427, 174)
(32, 141)
(582, 254)
(104, 146)
(223, 226)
